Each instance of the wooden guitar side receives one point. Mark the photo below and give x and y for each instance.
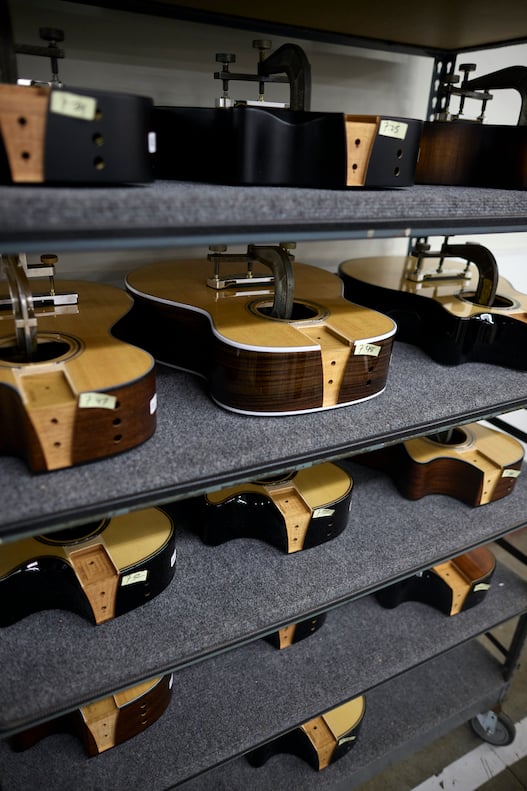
(331, 353)
(478, 466)
(108, 722)
(440, 315)
(473, 154)
(86, 395)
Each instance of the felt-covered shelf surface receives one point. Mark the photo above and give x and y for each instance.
(199, 446)
(224, 596)
(402, 715)
(223, 707)
(167, 213)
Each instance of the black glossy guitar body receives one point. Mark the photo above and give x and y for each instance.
(249, 145)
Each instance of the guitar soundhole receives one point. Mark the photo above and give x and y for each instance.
(455, 437)
(499, 301)
(302, 311)
(74, 535)
(48, 348)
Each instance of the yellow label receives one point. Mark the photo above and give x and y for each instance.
(391, 128)
(97, 401)
(370, 349)
(73, 105)
(510, 473)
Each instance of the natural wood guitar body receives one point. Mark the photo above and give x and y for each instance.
(85, 395)
(330, 353)
(99, 571)
(292, 513)
(465, 153)
(108, 722)
(321, 741)
(451, 587)
(439, 314)
(477, 464)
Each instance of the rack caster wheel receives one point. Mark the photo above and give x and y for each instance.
(494, 728)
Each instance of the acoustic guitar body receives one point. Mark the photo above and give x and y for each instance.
(107, 722)
(321, 741)
(50, 135)
(292, 513)
(98, 571)
(249, 145)
(295, 632)
(85, 395)
(464, 153)
(440, 315)
(451, 587)
(330, 353)
(475, 464)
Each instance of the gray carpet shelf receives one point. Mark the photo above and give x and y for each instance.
(402, 715)
(168, 213)
(220, 710)
(251, 588)
(199, 446)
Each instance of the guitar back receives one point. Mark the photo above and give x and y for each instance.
(330, 353)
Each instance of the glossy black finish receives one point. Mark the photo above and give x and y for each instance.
(273, 147)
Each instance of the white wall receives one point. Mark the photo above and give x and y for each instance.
(173, 62)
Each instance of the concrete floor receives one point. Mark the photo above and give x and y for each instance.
(460, 743)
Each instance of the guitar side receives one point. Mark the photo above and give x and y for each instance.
(299, 512)
(331, 353)
(478, 465)
(450, 587)
(106, 723)
(86, 395)
(99, 571)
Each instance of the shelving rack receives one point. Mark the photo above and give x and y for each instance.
(210, 635)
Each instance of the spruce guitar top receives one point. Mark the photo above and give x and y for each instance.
(473, 463)
(321, 741)
(457, 311)
(291, 512)
(277, 144)
(324, 352)
(459, 151)
(108, 722)
(99, 570)
(451, 587)
(70, 392)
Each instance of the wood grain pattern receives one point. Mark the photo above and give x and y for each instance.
(479, 465)
(473, 154)
(106, 723)
(43, 412)
(330, 353)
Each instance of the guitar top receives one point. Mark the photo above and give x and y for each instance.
(330, 353)
(84, 395)
(293, 512)
(474, 463)
(99, 570)
(437, 310)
